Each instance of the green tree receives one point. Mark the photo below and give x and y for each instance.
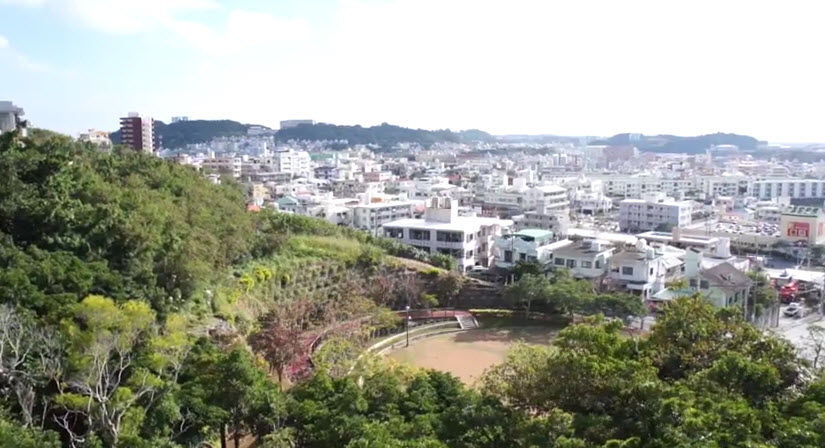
(528, 290)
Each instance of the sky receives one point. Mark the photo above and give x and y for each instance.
(583, 67)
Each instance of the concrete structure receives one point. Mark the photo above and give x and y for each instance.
(554, 220)
(588, 259)
(645, 269)
(469, 239)
(179, 119)
(708, 245)
(803, 224)
(138, 132)
(97, 138)
(528, 245)
(374, 215)
(286, 124)
(653, 211)
(792, 188)
(11, 118)
(297, 163)
(722, 285)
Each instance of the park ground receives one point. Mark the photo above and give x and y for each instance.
(468, 354)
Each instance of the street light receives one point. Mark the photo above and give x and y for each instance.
(407, 321)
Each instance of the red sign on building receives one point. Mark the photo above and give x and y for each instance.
(799, 229)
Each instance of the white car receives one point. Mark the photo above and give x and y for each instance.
(794, 309)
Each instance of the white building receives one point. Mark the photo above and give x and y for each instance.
(374, 215)
(286, 124)
(97, 138)
(469, 239)
(793, 188)
(645, 270)
(585, 259)
(9, 116)
(224, 165)
(297, 163)
(528, 245)
(554, 220)
(652, 211)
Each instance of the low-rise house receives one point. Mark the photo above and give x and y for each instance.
(723, 285)
(585, 259)
(646, 269)
(528, 245)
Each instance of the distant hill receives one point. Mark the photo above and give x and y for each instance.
(182, 133)
(385, 135)
(672, 143)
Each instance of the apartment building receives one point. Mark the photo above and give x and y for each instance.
(138, 132)
(792, 188)
(373, 216)
(469, 239)
(297, 163)
(585, 259)
(653, 211)
(10, 117)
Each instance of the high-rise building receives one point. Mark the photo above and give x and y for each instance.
(10, 117)
(138, 132)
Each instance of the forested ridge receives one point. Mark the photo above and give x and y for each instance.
(142, 306)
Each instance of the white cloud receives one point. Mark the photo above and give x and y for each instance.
(20, 60)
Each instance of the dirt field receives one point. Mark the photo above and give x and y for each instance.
(468, 354)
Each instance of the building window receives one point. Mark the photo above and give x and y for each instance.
(704, 284)
(394, 233)
(693, 283)
(468, 254)
(571, 263)
(419, 234)
(449, 237)
(587, 264)
(598, 264)
(508, 256)
(627, 270)
(651, 271)
(559, 262)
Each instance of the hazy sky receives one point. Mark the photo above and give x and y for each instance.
(574, 67)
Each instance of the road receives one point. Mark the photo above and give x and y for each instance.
(796, 331)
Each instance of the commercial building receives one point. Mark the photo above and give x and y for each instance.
(803, 224)
(653, 211)
(138, 132)
(286, 124)
(10, 117)
(469, 239)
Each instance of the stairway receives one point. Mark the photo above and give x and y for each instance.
(467, 322)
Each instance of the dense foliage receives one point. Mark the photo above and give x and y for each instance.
(141, 306)
(385, 135)
(676, 144)
(182, 133)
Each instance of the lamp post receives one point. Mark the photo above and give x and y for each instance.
(407, 322)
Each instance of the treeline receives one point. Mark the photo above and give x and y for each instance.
(385, 135)
(676, 144)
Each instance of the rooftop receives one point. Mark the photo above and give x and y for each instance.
(460, 223)
(799, 210)
(535, 233)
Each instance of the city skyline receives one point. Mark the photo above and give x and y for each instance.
(587, 68)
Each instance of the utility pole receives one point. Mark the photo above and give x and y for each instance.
(407, 321)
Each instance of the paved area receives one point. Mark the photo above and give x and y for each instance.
(796, 331)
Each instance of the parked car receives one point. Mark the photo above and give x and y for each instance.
(795, 309)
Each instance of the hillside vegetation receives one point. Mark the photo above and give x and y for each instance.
(385, 135)
(141, 307)
(676, 144)
(182, 133)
